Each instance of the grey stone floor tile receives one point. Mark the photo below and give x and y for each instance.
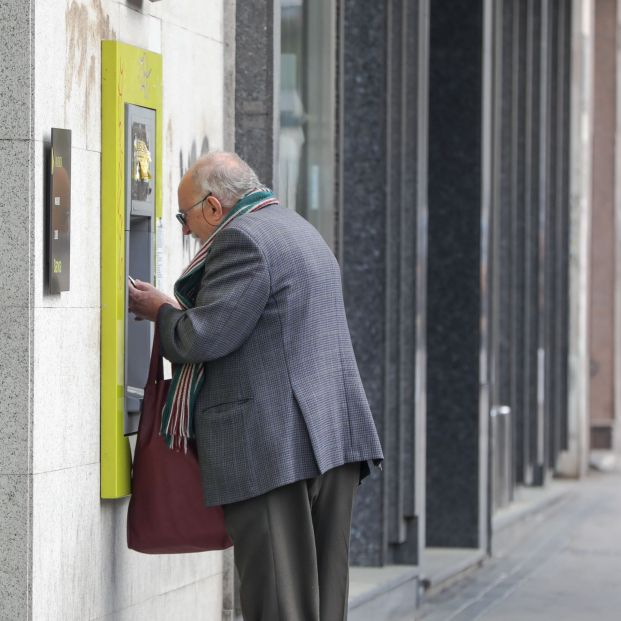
(567, 568)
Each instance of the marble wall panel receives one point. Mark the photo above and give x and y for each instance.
(67, 544)
(15, 494)
(82, 568)
(15, 70)
(198, 597)
(141, 30)
(193, 91)
(202, 17)
(15, 229)
(193, 124)
(16, 248)
(129, 577)
(15, 384)
(66, 388)
(15, 295)
(68, 67)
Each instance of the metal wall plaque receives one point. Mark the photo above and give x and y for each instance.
(59, 211)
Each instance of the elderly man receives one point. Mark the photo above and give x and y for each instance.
(265, 378)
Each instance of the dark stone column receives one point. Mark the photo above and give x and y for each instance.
(530, 230)
(363, 239)
(405, 279)
(558, 232)
(564, 126)
(529, 240)
(381, 233)
(503, 311)
(530, 311)
(518, 378)
(454, 276)
(257, 24)
(382, 244)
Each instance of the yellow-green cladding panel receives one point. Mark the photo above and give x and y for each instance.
(130, 75)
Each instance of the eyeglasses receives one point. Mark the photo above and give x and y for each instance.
(182, 215)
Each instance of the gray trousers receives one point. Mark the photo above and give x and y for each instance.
(292, 548)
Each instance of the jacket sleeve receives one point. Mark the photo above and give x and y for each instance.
(232, 296)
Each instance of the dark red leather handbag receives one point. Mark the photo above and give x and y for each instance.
(166, 514)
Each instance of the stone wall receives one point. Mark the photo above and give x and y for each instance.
(64, 554)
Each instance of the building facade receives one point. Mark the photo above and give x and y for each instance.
(63, 549)
(460, 161)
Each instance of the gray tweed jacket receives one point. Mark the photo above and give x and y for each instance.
(282, 400)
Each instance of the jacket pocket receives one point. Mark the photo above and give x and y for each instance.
(224, 453)
(225, 406)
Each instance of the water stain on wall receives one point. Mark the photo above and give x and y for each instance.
(86, 24)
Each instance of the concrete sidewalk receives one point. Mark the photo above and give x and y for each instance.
(566, 568)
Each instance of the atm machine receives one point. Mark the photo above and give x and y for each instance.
(130, 207)
(139, 250)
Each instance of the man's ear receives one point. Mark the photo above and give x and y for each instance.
(213, 210)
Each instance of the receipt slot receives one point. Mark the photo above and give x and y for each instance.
(131, 130)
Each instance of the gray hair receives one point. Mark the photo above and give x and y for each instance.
(225, 175)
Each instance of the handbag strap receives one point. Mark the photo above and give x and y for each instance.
(156, 367)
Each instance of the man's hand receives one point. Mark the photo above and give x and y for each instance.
(145, 300)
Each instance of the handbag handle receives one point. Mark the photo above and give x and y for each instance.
(156, 366)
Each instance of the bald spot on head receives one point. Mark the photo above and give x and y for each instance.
(205, 164)
(224, 174)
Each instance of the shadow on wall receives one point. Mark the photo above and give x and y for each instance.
(191, 245)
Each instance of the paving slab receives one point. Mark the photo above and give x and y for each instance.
(383, 593)
(567, 567)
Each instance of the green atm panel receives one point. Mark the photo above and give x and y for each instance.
(131, 199)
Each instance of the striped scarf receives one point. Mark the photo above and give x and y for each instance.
(188, 379)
